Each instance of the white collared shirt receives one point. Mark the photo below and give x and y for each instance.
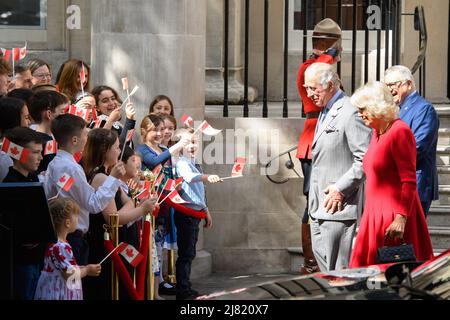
(5, 163)
(89, 200)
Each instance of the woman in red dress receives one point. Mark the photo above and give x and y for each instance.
(392, 206)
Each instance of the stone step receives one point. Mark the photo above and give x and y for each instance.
(443, 110)
(296, 257)
(201, 265)
(444, 195)
(443, 174)
(444, 136)
(440, 237)
(439, 215)
(443, 155)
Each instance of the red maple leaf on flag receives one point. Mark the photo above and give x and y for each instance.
(49, 146)
(14, 151)
(130, 252)
(62, 179)
(238, 167)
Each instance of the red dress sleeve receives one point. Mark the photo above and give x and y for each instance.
(403, 150)
(307, 136)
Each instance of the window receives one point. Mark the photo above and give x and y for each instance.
(318, 10)
(23, 14)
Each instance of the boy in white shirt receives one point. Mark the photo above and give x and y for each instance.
(70, 133)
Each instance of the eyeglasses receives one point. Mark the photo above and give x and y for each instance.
(313, 89)
(396, 84)
(42, 75)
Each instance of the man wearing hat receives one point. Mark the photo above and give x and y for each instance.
(327, 48)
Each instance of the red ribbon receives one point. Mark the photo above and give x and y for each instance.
(142, 267)
(188, 211)
(138, 292)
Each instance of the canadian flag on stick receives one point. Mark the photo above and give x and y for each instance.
(82, 74)
(159, 180)
(65, 182)
(156, 171)
(130, 254)
(187, 121)
(145, 191)
(130, 135)
(79, 112)
(125, 83)
(97, 123)
(19, 53)
(15, 151)
(238, 167)
(6, 54)
(206, 128)
(50, 147)
(176, 198)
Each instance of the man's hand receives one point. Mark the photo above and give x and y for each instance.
(334, 199)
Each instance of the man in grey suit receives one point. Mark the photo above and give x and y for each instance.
(340, 143)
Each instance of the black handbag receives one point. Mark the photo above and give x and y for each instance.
(401, 253)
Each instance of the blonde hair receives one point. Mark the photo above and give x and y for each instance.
(182, 132)
(61, 209)
(377, 100)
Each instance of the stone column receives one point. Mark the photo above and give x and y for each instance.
(215, 53)
(159, 45)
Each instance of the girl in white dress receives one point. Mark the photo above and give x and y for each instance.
(61, 277)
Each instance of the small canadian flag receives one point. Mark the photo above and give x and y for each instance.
(15, 151)
(50, 147)
(206, 128)
(130, 254)
(125, 83)
(130, 135)
(77, 156)
(176, 198)
(94, 114)
(170, 184)
(65, 182)
(79, 112)
(145, 191)
(19, 53)
(97, 123)
(82, 74)
(159, 180)
(238, 167)
(178, 182)
(6, 54)
(156, 170)
(187, 121)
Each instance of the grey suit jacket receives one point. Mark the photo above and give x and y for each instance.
(338, 148)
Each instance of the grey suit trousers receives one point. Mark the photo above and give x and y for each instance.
(332, 243)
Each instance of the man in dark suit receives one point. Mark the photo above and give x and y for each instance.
(423, 120)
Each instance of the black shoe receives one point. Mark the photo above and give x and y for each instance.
(194, 292)
(186, 296)
(165, 289)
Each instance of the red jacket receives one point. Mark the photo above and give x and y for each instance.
(307, 135)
